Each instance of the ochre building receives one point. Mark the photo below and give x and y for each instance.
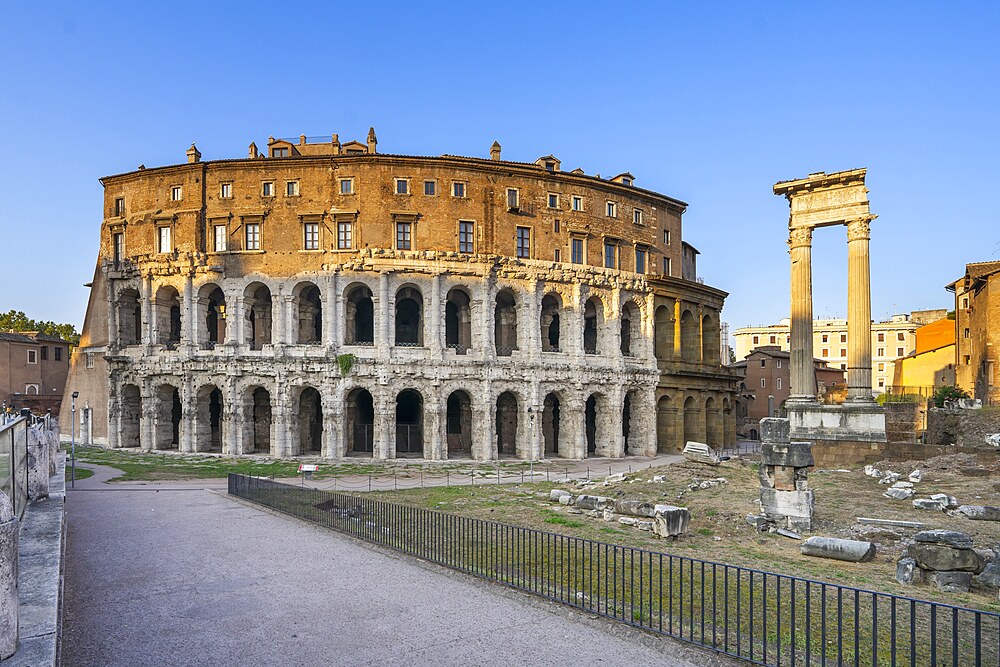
(324, 299)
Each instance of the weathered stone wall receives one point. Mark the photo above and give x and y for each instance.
(966, 428)
(902, 422)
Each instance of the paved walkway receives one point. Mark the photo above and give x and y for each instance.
(177, 574)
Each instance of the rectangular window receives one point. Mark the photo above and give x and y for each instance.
(556, 255)
(90, 360)
(826, 353)
(900, 352)
(637, 216)
(968, 360)
(763, 383)
(843, 352)
(667, 264)
(402, 186)
(880, 352)
(430, 188)
(176, 193)
(640, 261)
(577, 203)
(826, 339)
(773, 340)
(32, 356)
(164, 244)
(279, 152)
(777, 383)
(553, 200)
(253, 236)
(843, 338)
(576, 251)
(881, 367)
(965, 302)
(523, 242)
(778, 362)
(347, 186)
(763, 363)
(403, 235)
(344, 236)
(666, 237)
(465, 236)
(612, 209)
(311, 239)
(900, 336)
(756, 340)
(219, 238)
(267, 189)
(458, 190)
(512, 199)
(881, 338)
(555, 225)
(225, 190)
(292, 189)
(119, 206)
(610, 255)
(118, 248)
(881, 382)
(45, 352)
(965, 333)
(58, 351)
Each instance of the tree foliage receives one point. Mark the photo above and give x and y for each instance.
(17, 321)
(948, 393)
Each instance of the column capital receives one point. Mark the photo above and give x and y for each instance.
(859, 228)
(800, 237)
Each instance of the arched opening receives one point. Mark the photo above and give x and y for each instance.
(630, 336)
(505, 323)
(213, 301)
(590, 418)
(259, 428)
(458, 424)
(629, 435)
(458, 321)
(409, 317)
(167, 313)
(130, 412)
(551, 424)
(409, 423)
(551, 305)
(310, 422)
(167, 427)
(713, 429)
(593, 319)
(665, 438)
(506, 425)
(690, 340)
(663, 334)
(309, 311)
(258, 315)
(360, 421)
(129, 317)
(691, 418)
(208, 419)
(359, 316)
(711, 341)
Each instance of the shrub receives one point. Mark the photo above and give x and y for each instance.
(948, 393)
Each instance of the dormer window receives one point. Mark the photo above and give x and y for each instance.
(626, 181)
(279, 152)
(623, 179)
(550, 165)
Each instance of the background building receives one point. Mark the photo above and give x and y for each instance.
(977, 330)
(322, 298)
(33, 369)
(931, 364)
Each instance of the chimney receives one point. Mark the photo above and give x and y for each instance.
(372, 141)
(495, 151)
(302, 140)
(194, 155)
(253, 151)
(335, 140)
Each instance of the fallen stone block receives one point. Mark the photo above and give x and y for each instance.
(889, 477)
(898, 493)
(634, 507)
(566, 500)
(613, 479)
(902, 485)
(907, 572)
(556, 494)
(951, 582)
(952, 538)
(591, 502)
(659, 479)
(784, 532)
(928, 504)
(628, 520)
(943, 558)
(915, 476)
(993, 440)
(671, 521)
(644, 525)
(990, 576)
(872, 471)
(699, 452)
(980, 512)
(758, 521)
(854, 551)
(916, 525)
(609, 515)
(949, 502)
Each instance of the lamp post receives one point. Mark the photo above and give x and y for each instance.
(72, 438)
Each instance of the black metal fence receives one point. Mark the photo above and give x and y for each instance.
(761, 617)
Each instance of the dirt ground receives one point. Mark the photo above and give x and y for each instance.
(720, 533)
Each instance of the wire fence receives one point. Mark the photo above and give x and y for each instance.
(761, 617)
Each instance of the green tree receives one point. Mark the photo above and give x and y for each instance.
(948, 393)
(15, 320)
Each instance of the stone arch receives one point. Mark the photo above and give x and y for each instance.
(308, 303)
(666, 438)
(258, 421)
(690, 340)
(631, 423)
(711, 340)
(258, 314)
(359, 418)
(593, 324)
(409, 422)
(167, 419)
(713, 424)
(550, 321)
(209, 419)
(596, 423)
(631, 329)
(309, 429)
(458, 320)
(458, 424)
(507, 418)
(409, 317)
(167, 315)
(128, 315)
(359, 315)
(130, 407)
(505, 323)
(663, 334)
(692, 419)
(212, 317)
(553, 425)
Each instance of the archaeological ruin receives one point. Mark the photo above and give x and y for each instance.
(323, 299)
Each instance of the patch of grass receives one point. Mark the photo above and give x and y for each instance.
(707, 532)
(81, 473)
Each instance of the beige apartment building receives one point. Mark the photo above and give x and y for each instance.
(891, 340)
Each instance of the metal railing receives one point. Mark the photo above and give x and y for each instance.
(762, 617)
(14, 462)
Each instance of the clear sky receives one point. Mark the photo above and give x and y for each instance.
(708, 103)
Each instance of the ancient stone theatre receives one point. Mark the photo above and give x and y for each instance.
(321, 298)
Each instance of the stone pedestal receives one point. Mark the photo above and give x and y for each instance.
(785, 496)
(849, 434)
(38, 464)
(8, 578)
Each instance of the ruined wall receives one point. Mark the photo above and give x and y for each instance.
(966, 428)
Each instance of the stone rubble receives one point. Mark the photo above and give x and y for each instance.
(699, 452)
(890, 478)
(854, 551)
(915, 476)
(898, 493)
(980, 512)
(671, 521)
(945, 558)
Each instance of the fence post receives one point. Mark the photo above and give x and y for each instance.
(369, 481)
(447, 478)
(498, 473)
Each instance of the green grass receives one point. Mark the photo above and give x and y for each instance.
(81, 473)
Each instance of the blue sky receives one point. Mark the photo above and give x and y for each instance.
(708, 103)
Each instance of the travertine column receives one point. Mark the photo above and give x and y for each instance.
(859, 312)
(803, 372)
